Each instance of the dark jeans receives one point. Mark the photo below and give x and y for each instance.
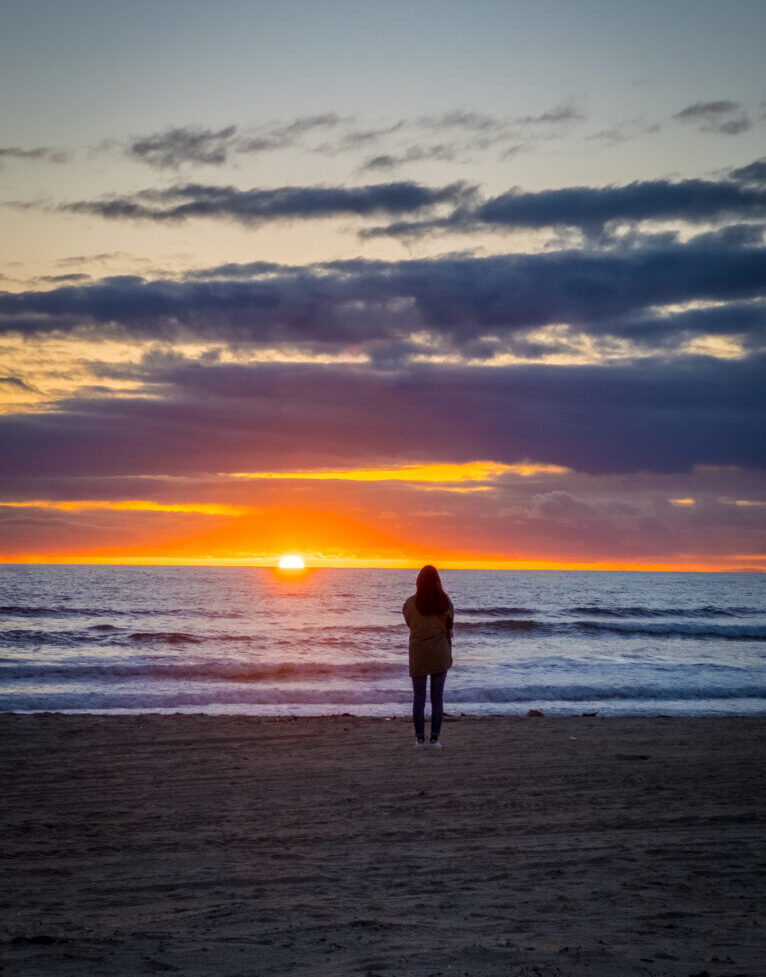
(419, 704)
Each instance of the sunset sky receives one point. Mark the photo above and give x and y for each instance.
(480, 284)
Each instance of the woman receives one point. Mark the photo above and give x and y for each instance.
(429, 615)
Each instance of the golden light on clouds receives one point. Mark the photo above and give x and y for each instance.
(136, 505)
(469, 471)
(56, 367)
(718, 347)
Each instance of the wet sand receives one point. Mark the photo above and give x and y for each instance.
(237, 846)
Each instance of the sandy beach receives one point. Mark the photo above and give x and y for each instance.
(238, 846)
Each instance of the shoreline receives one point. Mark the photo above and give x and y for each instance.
(318, 845)
(384, 715)
(468, 720)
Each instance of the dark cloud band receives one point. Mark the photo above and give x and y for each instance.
(459, 301)
(592, 209)
(649, 416)
(256, 206)
(721, 116)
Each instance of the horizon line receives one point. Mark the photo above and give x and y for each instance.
(488, 565)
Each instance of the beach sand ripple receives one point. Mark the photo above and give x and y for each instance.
(237, 846)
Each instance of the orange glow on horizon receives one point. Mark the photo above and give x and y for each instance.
(333, 526)
(325, 538)
(723, 565)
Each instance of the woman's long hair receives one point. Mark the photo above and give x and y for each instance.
(429, 593)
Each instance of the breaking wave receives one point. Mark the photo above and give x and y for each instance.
(31, 611)
(739, 632)
(708, 610)
(110, 635)
(204, 671)
(336, 699)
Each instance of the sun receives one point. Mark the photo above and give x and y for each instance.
(291, 563)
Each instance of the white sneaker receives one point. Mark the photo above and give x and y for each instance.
(435, 745)
(420, 744)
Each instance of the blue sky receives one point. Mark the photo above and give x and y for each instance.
(80, 72)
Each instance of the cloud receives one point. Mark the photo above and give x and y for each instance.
(745, 320)
(472, 471)
(461, 119)
(89, 259)
(59, 279)
(560, 504)
(722, 116)
(591, 209)
(471, 131)
(288, 134)
(481, 122)
(310, 123)
(754, 172)
(240, 270)
(18, 384)
(554, 116)
(194, 145)
(443, 152)
(624, 131)
(732, 127)
(132, 505)
(707, 110)
(47, 154)
(194, 200)
(653, 416)
(467, 131)
(174, 147)
(732, 235)
(475, 306)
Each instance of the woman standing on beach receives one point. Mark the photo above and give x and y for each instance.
(429, 615)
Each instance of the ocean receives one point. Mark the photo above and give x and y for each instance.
(241, 640)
